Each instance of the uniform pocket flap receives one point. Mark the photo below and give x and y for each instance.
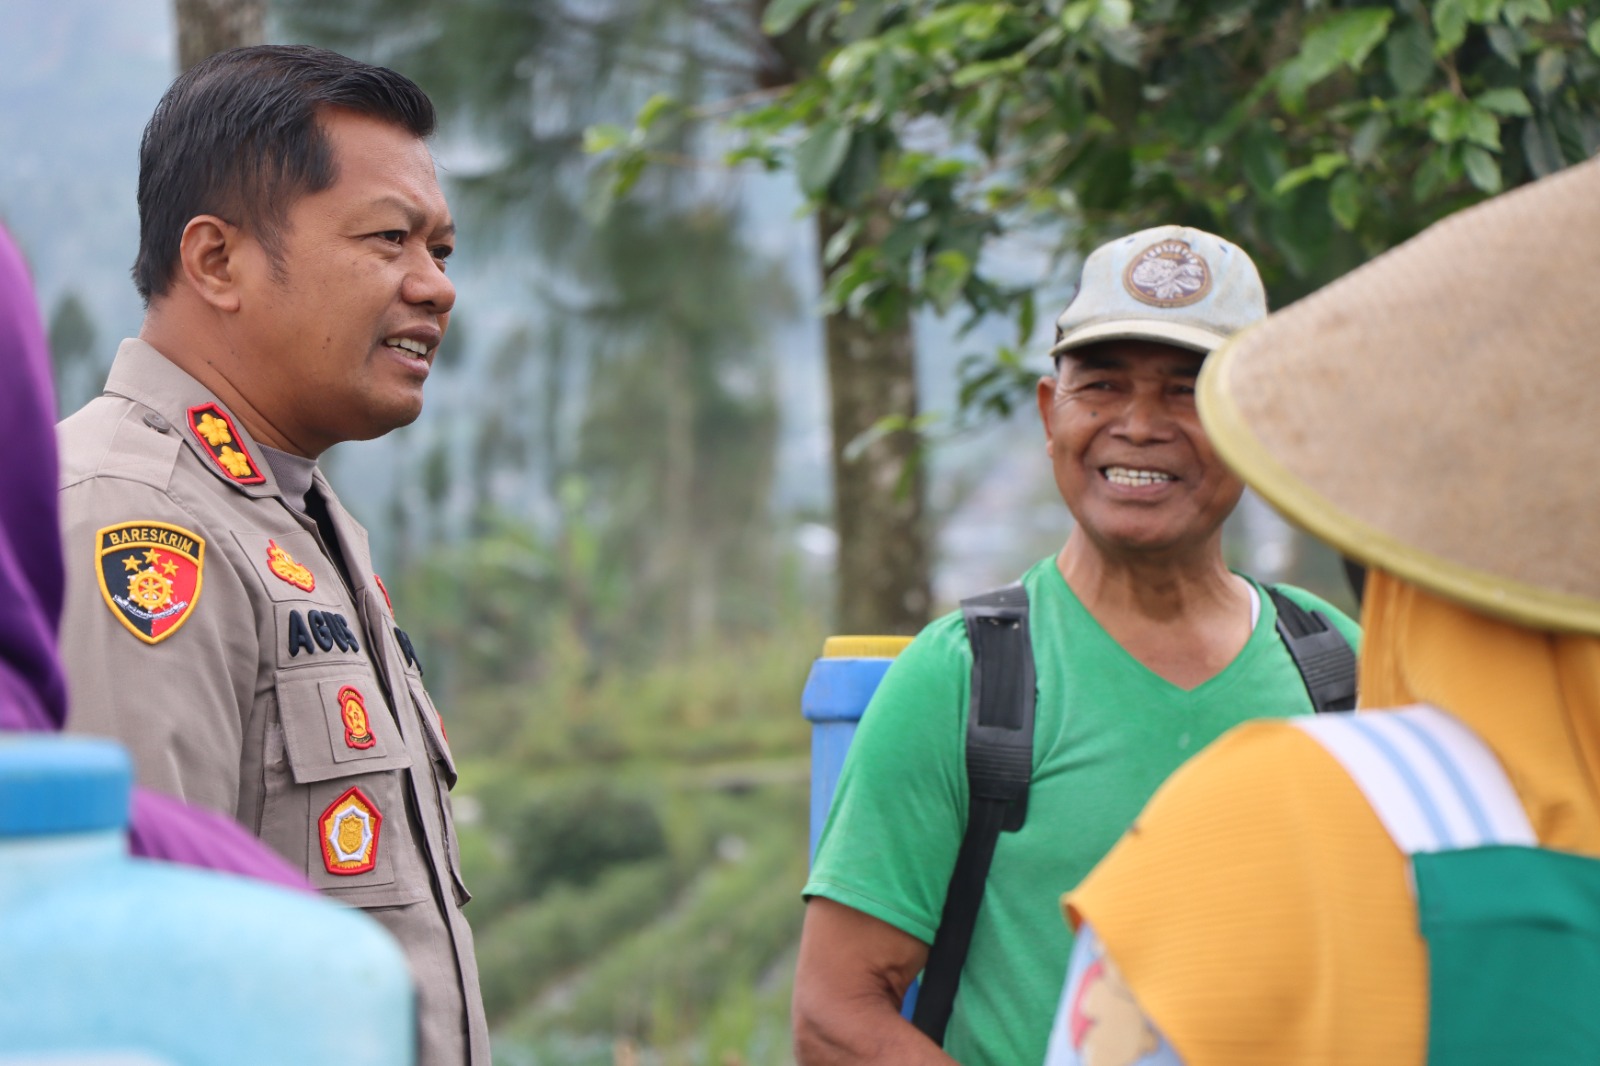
(335, 727)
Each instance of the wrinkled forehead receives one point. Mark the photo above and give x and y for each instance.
(1152, 357)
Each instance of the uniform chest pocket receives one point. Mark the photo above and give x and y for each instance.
(336, 803)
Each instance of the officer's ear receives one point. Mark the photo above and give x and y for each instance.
(209, 255)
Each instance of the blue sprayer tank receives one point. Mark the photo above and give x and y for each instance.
(105, 958)
(837, 691)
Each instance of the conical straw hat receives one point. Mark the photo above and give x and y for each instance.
(1436, 412)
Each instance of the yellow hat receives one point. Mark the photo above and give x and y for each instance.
(1436, 412)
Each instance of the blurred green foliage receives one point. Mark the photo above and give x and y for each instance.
(635, 836)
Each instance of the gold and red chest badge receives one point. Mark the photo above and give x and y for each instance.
(150, 576)
(348, 830)
(214, 430)
(357, 726)
(284, 567)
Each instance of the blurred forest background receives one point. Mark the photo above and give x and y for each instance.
(751, 297)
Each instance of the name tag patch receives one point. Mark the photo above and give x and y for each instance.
(319, 629)
(150, 576)
(348, 830)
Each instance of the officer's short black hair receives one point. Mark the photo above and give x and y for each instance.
(237, 136)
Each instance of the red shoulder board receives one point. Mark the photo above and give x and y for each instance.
(214, 430)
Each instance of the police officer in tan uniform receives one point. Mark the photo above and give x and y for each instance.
(223, 617)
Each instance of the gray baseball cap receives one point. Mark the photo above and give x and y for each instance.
(1169, 284)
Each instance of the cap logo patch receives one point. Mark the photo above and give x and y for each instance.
(283, 566)
(1168, 274)
(348, 830)
(214, 430)
(150, 576)
(353, 711)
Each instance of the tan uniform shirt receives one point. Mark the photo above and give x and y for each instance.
(208, 628)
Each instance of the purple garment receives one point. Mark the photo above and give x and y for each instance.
(33, 690)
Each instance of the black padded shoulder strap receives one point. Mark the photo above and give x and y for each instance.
(1326, 662)
(999, 767)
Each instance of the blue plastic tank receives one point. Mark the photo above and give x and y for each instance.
(109, 959)
(837, 691)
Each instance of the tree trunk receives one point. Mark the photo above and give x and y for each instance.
(206, 27)
(883, 585)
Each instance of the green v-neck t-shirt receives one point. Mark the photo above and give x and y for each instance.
(1107, 732)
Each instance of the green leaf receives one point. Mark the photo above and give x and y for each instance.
(1539, 147)
(857, 177)
(1449, 25)
(1505, 102)
(1343, 39)
(1344, 200)
(946, 276)
(604, 137)
(973, 73)
(1594, 37)
(1482, 170)
(1549, 71)
(840, 242)
(781, 15)
(1483, 10)
(1368, 140)
(1324, 166)
(820, 155)
(654, 108)
(1408, 57)
(1519, 11)
(1505, 45)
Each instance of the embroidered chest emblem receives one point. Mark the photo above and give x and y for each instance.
(1168, 274)
(283, 566)
(214, 430)
(150, 576)
(353, 711)
(348, 830)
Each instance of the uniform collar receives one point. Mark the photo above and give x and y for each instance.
(142, 374)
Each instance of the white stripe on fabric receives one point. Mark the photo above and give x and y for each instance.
(1508, 820)
(1433, 784)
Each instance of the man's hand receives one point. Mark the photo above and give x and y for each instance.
(852, 977)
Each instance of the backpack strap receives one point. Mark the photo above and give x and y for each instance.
(1326, 663)
(1434, 784)
(999, 767)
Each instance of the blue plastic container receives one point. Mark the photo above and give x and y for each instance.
(837, 691)
(106, 959)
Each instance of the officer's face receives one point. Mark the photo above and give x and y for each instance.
(1131, 459)
(342, 338)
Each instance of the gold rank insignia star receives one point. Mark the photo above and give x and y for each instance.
(214, 430)
(219, 439)
(234, 462)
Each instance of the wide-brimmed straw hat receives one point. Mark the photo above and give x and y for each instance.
(1436, 412)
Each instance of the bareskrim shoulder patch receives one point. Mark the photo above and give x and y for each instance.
(150, 576)
(214, 430)
(1168, 274)
(348, 830)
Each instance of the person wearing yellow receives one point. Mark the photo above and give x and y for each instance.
(1419, 882)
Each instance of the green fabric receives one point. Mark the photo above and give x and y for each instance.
(1513, 956)
(1107, 732)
